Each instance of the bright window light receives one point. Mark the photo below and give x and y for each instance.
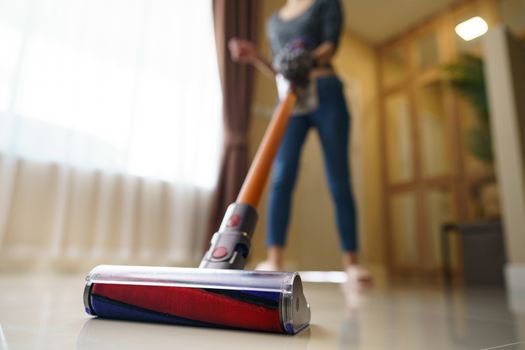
(472, 28)
(112, 85)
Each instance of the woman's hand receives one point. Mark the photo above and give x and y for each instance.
(243, 51)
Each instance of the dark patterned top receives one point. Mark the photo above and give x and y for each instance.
(321, 22)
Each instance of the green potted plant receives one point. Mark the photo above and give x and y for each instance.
(466, 76)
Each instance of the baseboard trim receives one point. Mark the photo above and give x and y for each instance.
(515, 280)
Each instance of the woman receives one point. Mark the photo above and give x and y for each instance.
(323, 108)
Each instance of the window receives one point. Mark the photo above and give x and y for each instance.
(119, 85)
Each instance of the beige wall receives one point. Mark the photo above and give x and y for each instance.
(313, 241)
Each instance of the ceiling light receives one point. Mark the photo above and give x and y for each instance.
(472, 28)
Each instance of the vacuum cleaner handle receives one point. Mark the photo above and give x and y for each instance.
(230, 246)
(253, 185)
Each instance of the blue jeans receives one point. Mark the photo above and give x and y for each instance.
(331, 120)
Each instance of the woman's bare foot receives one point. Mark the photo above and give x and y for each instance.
(355, 273)
(274, 260)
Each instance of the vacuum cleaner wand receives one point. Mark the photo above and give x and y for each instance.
(230, 245)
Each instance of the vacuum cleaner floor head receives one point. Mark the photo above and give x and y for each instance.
(252, 300)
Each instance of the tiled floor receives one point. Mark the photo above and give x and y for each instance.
(38, 312)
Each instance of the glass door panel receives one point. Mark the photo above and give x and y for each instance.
(434, 126)
(427, 51)
(394, 67)
(399, 139)
(403, 225)
(440, 210)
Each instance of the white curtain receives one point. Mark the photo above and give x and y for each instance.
(109, 129)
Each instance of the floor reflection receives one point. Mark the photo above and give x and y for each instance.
(111, 334)
(479, 317)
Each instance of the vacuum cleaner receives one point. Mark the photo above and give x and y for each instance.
(219, 293)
